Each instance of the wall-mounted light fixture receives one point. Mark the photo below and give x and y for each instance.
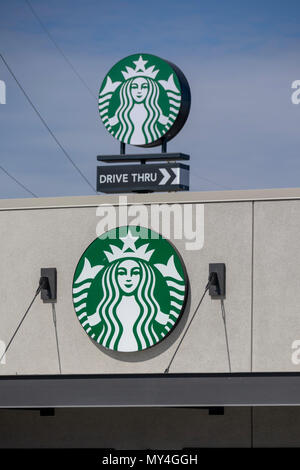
(48, 283)
(217, 285)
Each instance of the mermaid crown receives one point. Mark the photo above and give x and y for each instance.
(140, 70)
(129, 249)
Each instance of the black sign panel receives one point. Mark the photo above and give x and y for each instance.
(132, 178)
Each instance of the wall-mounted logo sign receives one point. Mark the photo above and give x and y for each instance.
(129, 289)
(144, 100)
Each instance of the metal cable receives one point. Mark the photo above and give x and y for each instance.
(58, 48)
(210, 181)
(17, 181)
(225, 331)
(23, 318)
(46, 125)
(187, 328)
(56, 336)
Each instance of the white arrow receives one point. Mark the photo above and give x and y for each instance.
(176, 179)
(166, 176)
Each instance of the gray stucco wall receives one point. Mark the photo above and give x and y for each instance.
(255, 233)
(276, 276)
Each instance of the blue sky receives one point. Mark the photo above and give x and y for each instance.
(240, 58)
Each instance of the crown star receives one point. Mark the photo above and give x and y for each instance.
(140, 64)
(140, 70)
(128, 243)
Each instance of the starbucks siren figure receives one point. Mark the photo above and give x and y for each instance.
(131, 301)
(138, 112)
(128, 307)
(139, 119)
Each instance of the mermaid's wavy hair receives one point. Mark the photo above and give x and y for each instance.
(107, 309)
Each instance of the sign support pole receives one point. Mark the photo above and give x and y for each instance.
(122, 148)
(164, 146)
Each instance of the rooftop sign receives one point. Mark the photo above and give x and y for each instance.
(144, 100)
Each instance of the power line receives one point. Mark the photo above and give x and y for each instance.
(46, 125)
(58, 48)
(83, 81)
(17, 181)
(210, 181)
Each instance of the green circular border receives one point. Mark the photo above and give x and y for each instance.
(185, 104)
(184, 302)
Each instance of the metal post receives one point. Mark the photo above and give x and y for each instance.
(164, 146)
(122, 148)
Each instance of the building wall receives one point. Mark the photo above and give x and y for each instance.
(255, 234)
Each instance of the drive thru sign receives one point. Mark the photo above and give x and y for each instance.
(128, 178)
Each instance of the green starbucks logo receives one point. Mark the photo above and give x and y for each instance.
(143, 100)
(129, 289)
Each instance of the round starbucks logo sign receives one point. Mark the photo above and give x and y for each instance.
(129, 289)
(144, 100)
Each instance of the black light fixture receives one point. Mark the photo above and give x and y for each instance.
(48, 285)
(217, 276)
